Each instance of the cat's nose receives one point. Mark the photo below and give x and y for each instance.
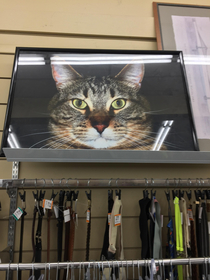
(100, 127)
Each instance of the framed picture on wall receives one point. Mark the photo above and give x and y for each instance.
(187, 28)
(99, 106)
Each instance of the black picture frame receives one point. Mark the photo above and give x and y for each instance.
(33, 87)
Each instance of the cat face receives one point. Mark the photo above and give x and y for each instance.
(99, 113)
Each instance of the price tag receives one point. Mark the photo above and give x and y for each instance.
(188, 220)
(117, 220)
(109, 218)
(88, 216)
(190, 214)
(56, 211)
(18, 213)
(48, 204)
(66, 214)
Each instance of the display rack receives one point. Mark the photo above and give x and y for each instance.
(12, 186)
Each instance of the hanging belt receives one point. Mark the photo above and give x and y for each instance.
(67, 229)
(38, 246)
(152, 222)
(115, 229)
(88, 220)
(36, 199)
(22, 197)
(60, 228)
(201, 229)
(186, 237)
(105, 247)
(73, 223)
(66, 248)
(157, 248)
(144, 232)
(208, 212)
(49, 215)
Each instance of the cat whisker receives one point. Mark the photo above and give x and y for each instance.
(37, 133)
(44, 140)
(138, 144)
(153, 112)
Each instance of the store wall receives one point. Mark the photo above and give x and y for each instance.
(111, 24)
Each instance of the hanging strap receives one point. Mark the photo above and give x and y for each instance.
(104, 251)
(49, 215)
(186, 236)
(113, 228)
(60, 228)
(38, 245)
(21, 242)
(22, 197)
(194, 252)
(33, 233)
(157, 247)
(71, 234)
(88, 220)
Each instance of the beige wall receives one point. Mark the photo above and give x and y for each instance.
(111, 24)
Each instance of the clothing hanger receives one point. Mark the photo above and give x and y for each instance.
(145, 191)
(153, 193)
(181, 194)
(118, 193)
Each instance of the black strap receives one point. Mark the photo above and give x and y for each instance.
(33, 233)
(143, 226)
(60, 227)
(88, 225)
(88, 236)
(22, 197)
(38, 245)
(104, 251)
(21, 243)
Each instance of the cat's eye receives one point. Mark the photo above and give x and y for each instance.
(79, 104)
(118, 103)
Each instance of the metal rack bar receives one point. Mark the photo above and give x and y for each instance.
(104, 183)
(104, 264)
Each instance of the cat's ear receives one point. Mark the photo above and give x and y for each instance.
(132, 74)
(64, 73)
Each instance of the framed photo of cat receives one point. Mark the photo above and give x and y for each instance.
(186, 28)
(73, 105)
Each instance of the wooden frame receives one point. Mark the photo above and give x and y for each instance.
(175, 9)
(170, 36)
